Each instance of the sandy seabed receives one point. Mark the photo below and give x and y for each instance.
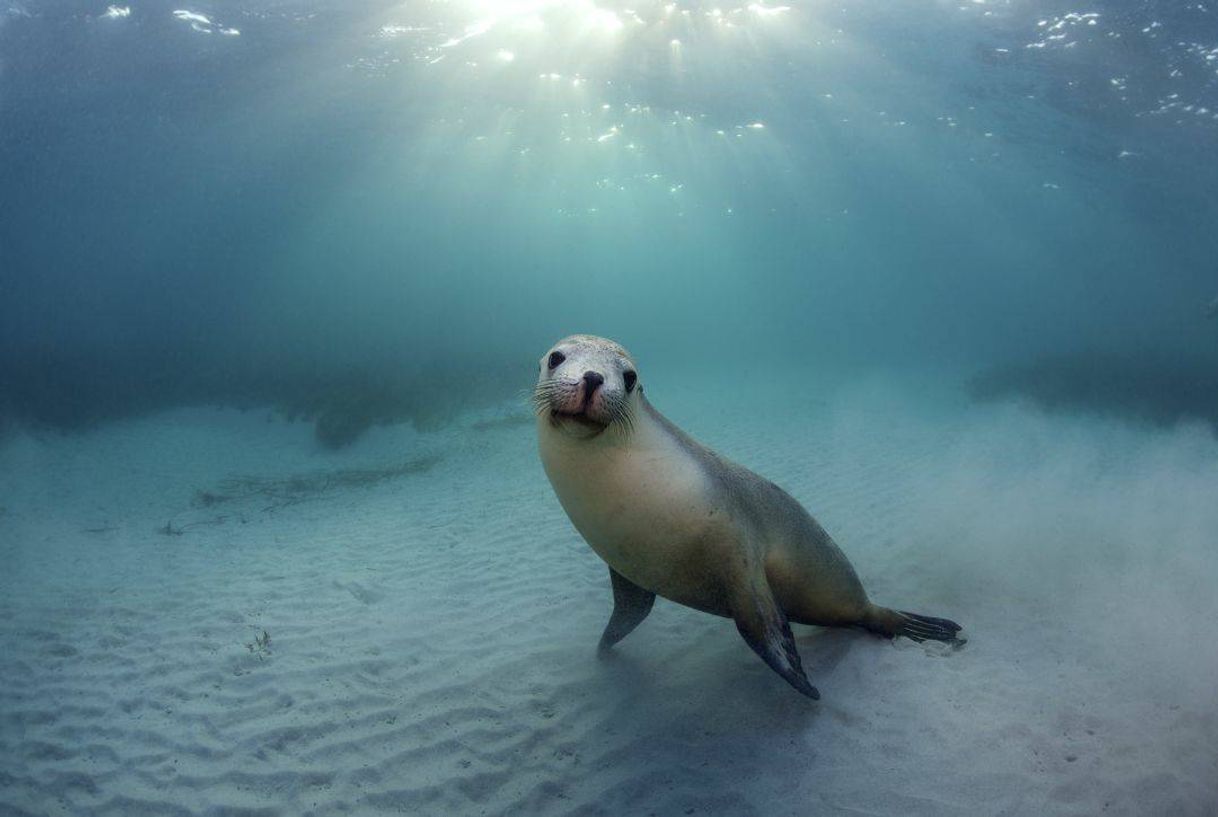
(431, 620)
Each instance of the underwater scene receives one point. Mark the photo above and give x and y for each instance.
(582, 407)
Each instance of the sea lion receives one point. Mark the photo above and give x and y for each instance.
(672, 518)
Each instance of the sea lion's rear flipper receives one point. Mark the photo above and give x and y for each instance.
(914, 626)
(765, 627)
(631, 604)
(929, 628)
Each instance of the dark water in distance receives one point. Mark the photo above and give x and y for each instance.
(330, 207)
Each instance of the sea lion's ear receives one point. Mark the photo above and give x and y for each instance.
(765, 627)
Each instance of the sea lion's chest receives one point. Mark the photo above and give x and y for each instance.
(643, 507)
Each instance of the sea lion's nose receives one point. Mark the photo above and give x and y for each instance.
(593, 380)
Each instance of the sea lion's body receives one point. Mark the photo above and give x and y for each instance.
(672, 518)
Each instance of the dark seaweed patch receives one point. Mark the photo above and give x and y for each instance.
(1147, 388)
(56, 390)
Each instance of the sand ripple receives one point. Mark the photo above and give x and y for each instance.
(431, 640)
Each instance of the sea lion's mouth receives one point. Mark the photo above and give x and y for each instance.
(580, 417)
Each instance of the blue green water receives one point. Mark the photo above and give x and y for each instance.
(208, 202)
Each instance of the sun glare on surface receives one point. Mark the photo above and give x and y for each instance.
(621, 97)
(551, 28)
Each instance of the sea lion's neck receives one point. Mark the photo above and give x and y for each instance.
(637, 458)
(631, 494)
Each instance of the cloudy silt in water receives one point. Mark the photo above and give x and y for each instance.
(274, 278)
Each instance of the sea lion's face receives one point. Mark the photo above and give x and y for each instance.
(586, 385)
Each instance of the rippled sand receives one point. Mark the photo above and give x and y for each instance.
(432, 634)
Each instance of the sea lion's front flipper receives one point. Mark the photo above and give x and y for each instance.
(765, 627)
(631, 604)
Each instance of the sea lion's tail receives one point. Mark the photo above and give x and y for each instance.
(892, 623)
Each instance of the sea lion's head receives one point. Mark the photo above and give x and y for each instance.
(586, 386)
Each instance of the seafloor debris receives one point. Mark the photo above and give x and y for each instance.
(261, 645)
(281, 492)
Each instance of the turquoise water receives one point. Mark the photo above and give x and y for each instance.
(275, 278)
(252, 200)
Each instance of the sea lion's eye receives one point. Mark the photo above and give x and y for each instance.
(631, 378)
(556, 359)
